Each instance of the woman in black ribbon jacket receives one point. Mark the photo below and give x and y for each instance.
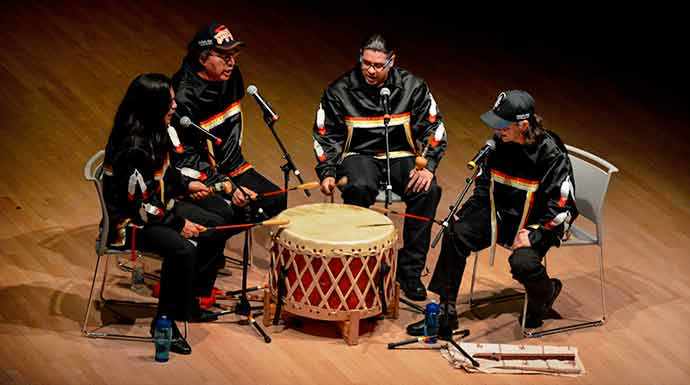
(141, 191)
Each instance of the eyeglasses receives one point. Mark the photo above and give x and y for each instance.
(376, 66)
(228, 57)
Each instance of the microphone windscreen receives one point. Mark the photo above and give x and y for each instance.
(185, 121)
(491, 143)
(251, 90)
(385, 91)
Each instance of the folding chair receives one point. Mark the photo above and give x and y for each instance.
(592, 177)
(93, 171)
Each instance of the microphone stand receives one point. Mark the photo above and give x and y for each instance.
(243, 307)
(289, 165)
(456, 206)
(389, 187)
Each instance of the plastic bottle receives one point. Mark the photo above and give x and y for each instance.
(431, 313)
(138, 285)
(162, 338)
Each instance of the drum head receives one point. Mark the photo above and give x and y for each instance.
(335, 226)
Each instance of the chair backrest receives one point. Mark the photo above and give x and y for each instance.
(93, 172)
(592, 177)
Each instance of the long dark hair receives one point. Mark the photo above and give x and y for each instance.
(535, 130)
(141, 113)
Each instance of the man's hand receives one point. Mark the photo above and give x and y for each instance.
(191, 229)
(198, 190)
(328, 185)
(521, 239)
(242, 196)
(420, 180)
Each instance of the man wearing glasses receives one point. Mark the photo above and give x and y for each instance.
(524, 200)
(350, 147)
(209, 88)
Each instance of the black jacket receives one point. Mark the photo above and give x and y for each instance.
(215, 107)
(350, 120)
(529, 186)
(139, 186)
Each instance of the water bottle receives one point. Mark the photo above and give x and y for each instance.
(162, 338)
(138, 285)
(431, 314)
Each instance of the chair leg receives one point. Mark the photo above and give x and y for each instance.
(87, 312)
(524, 315)
(603, 283)
(474, 274)
(93, 333)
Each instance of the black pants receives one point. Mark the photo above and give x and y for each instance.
(365, 175)
(188, 270)
(472, 232)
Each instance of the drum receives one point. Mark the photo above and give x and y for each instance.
(337, 262)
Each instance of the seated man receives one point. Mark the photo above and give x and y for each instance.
(523, 200)
(350, 145)
(209, 88)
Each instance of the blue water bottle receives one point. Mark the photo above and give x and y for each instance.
(162, 338)
(431, 314)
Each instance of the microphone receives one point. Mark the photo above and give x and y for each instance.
(385, 94)
(269, 114)
(186, 122)
(483, 153)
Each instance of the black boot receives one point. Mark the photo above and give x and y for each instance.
(417, 328)
(413, 288)
(179, 344)
(541, 296)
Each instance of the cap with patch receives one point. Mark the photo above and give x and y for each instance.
(214, 36)
(510, 107)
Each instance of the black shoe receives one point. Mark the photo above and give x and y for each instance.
(417, 329)
(535, 319)
(180, 345)
(204, 315)
(413, 289)
(557, 286)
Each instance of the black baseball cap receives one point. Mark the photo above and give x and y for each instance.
(510, 107)
(214, 36)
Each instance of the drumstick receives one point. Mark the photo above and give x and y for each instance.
(406, 215)
(303, 186)
(269, 222)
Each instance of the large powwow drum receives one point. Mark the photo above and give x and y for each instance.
(334, 262)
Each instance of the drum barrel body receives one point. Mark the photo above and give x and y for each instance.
(332, 260)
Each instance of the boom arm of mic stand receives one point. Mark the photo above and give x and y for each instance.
(456, 206)
(289, 164)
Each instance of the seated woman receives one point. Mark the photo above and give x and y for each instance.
(145, 201)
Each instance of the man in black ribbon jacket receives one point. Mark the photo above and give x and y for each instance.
(349, 144)
(524, 199)
(209, 89)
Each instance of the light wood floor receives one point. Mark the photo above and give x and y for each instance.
(64, 69)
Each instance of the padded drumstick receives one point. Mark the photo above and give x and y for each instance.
(270, 222)
(406, 215)
(303, 186)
